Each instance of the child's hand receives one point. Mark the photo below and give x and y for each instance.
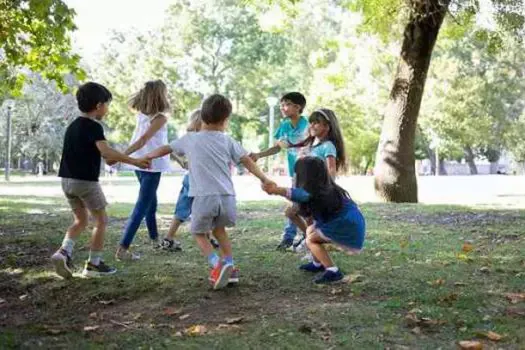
(254, 156)
(269, 187)
(143, 163)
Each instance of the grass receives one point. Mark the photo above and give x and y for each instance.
(429, 277)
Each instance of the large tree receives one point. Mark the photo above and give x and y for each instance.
(34, 34)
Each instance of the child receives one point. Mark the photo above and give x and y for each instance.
(325, 142)
(210, 153)
(184, 202)
(151, 132)
(292, 130)
(336, 218)
(84, 144)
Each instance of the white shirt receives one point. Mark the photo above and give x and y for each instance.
(160, 138)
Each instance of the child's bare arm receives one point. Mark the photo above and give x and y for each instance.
(254, 169)
(159, 152)
(157, 123)
(331, 165)
(111, 155)
(182, 162)
(266, 153)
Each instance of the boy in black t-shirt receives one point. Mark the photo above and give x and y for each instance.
(84, 145)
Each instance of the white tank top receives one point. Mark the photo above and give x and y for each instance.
(160, 138)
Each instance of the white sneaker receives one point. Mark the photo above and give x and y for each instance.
(300, 246)
(126, 255)
(308, 257)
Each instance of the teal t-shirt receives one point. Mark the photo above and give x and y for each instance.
(323, 150)
(287, 132)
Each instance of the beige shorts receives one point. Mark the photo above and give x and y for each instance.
(84, 194)
(209, 212)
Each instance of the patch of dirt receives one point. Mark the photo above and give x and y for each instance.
(470, 219)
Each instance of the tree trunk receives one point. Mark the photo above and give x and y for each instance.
(442, 169)
(395, 177)
(469, 158)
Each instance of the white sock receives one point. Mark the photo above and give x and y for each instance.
(67, 245)
(95, 257)
(333, 269)
(316, 264)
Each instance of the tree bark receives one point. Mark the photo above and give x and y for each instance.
(395, 177)
(469, 158)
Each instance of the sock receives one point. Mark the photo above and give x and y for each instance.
(228, 260)
(316, 264)
(333, 269)
(213, 259)
(95, 257)
(67, 245)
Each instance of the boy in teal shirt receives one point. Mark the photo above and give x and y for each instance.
(292, 130)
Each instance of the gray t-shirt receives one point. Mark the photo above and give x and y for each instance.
(209, 154)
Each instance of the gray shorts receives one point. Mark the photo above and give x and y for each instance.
(209, 212)
(84, 194)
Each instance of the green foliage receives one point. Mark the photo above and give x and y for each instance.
(34, 35)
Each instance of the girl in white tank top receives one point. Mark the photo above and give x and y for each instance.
(151, 132)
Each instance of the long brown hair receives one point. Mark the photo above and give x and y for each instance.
(327, 116)
(152, 99)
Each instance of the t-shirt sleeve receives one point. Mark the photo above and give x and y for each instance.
(329, 150)
(97, 132)
(236, 151)
(178, 146)
(280, 134)
(298, 195)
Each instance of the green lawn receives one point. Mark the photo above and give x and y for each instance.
(430, 276)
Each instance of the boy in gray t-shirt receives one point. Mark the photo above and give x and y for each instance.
(210, 153)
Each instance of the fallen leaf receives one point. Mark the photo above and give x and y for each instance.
(183, 317)
(335, 291)
(470, 345)
(515, 298)
(416, 330)
(438, 282)
(467, 247)
(136, 316)
(2, 301)
(54, 331)
(170, 311)
(484, 269)
(91, 328)
(378, 254)
(178, 334)
(196, 330)
(490, 335)
(353, 278)
(106, 302)
(93, 315)
(23, 297)
(234, 320)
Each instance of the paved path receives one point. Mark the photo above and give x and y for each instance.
(494, 190)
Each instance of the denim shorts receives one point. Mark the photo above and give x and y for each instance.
(184, 203)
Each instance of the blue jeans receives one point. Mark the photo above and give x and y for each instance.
(183, 206)
(146, 207)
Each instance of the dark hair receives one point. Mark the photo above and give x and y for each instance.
(90, 94)
(215, 109)
(295, 97)
(327, 116)
(326, 196)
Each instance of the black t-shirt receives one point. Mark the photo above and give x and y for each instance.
(80, 155)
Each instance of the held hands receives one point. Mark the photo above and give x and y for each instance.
(143, 163)
(283, 144)
(269, 187)
(111, 162)
(254, 156)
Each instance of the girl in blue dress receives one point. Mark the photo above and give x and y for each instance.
(335, 217)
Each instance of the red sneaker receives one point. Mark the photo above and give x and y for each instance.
(220, 275)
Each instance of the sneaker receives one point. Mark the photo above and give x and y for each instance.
(234, 276)
(63, 263)
(126, 255)
(307, 257)
(220, 275)
(171, 245)
(99, 270)
(299, 246)
(329, 277)
(310, 267)
(214, 243)
(285, 244)
(155, 244)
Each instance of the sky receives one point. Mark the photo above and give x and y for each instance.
(96, 18)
